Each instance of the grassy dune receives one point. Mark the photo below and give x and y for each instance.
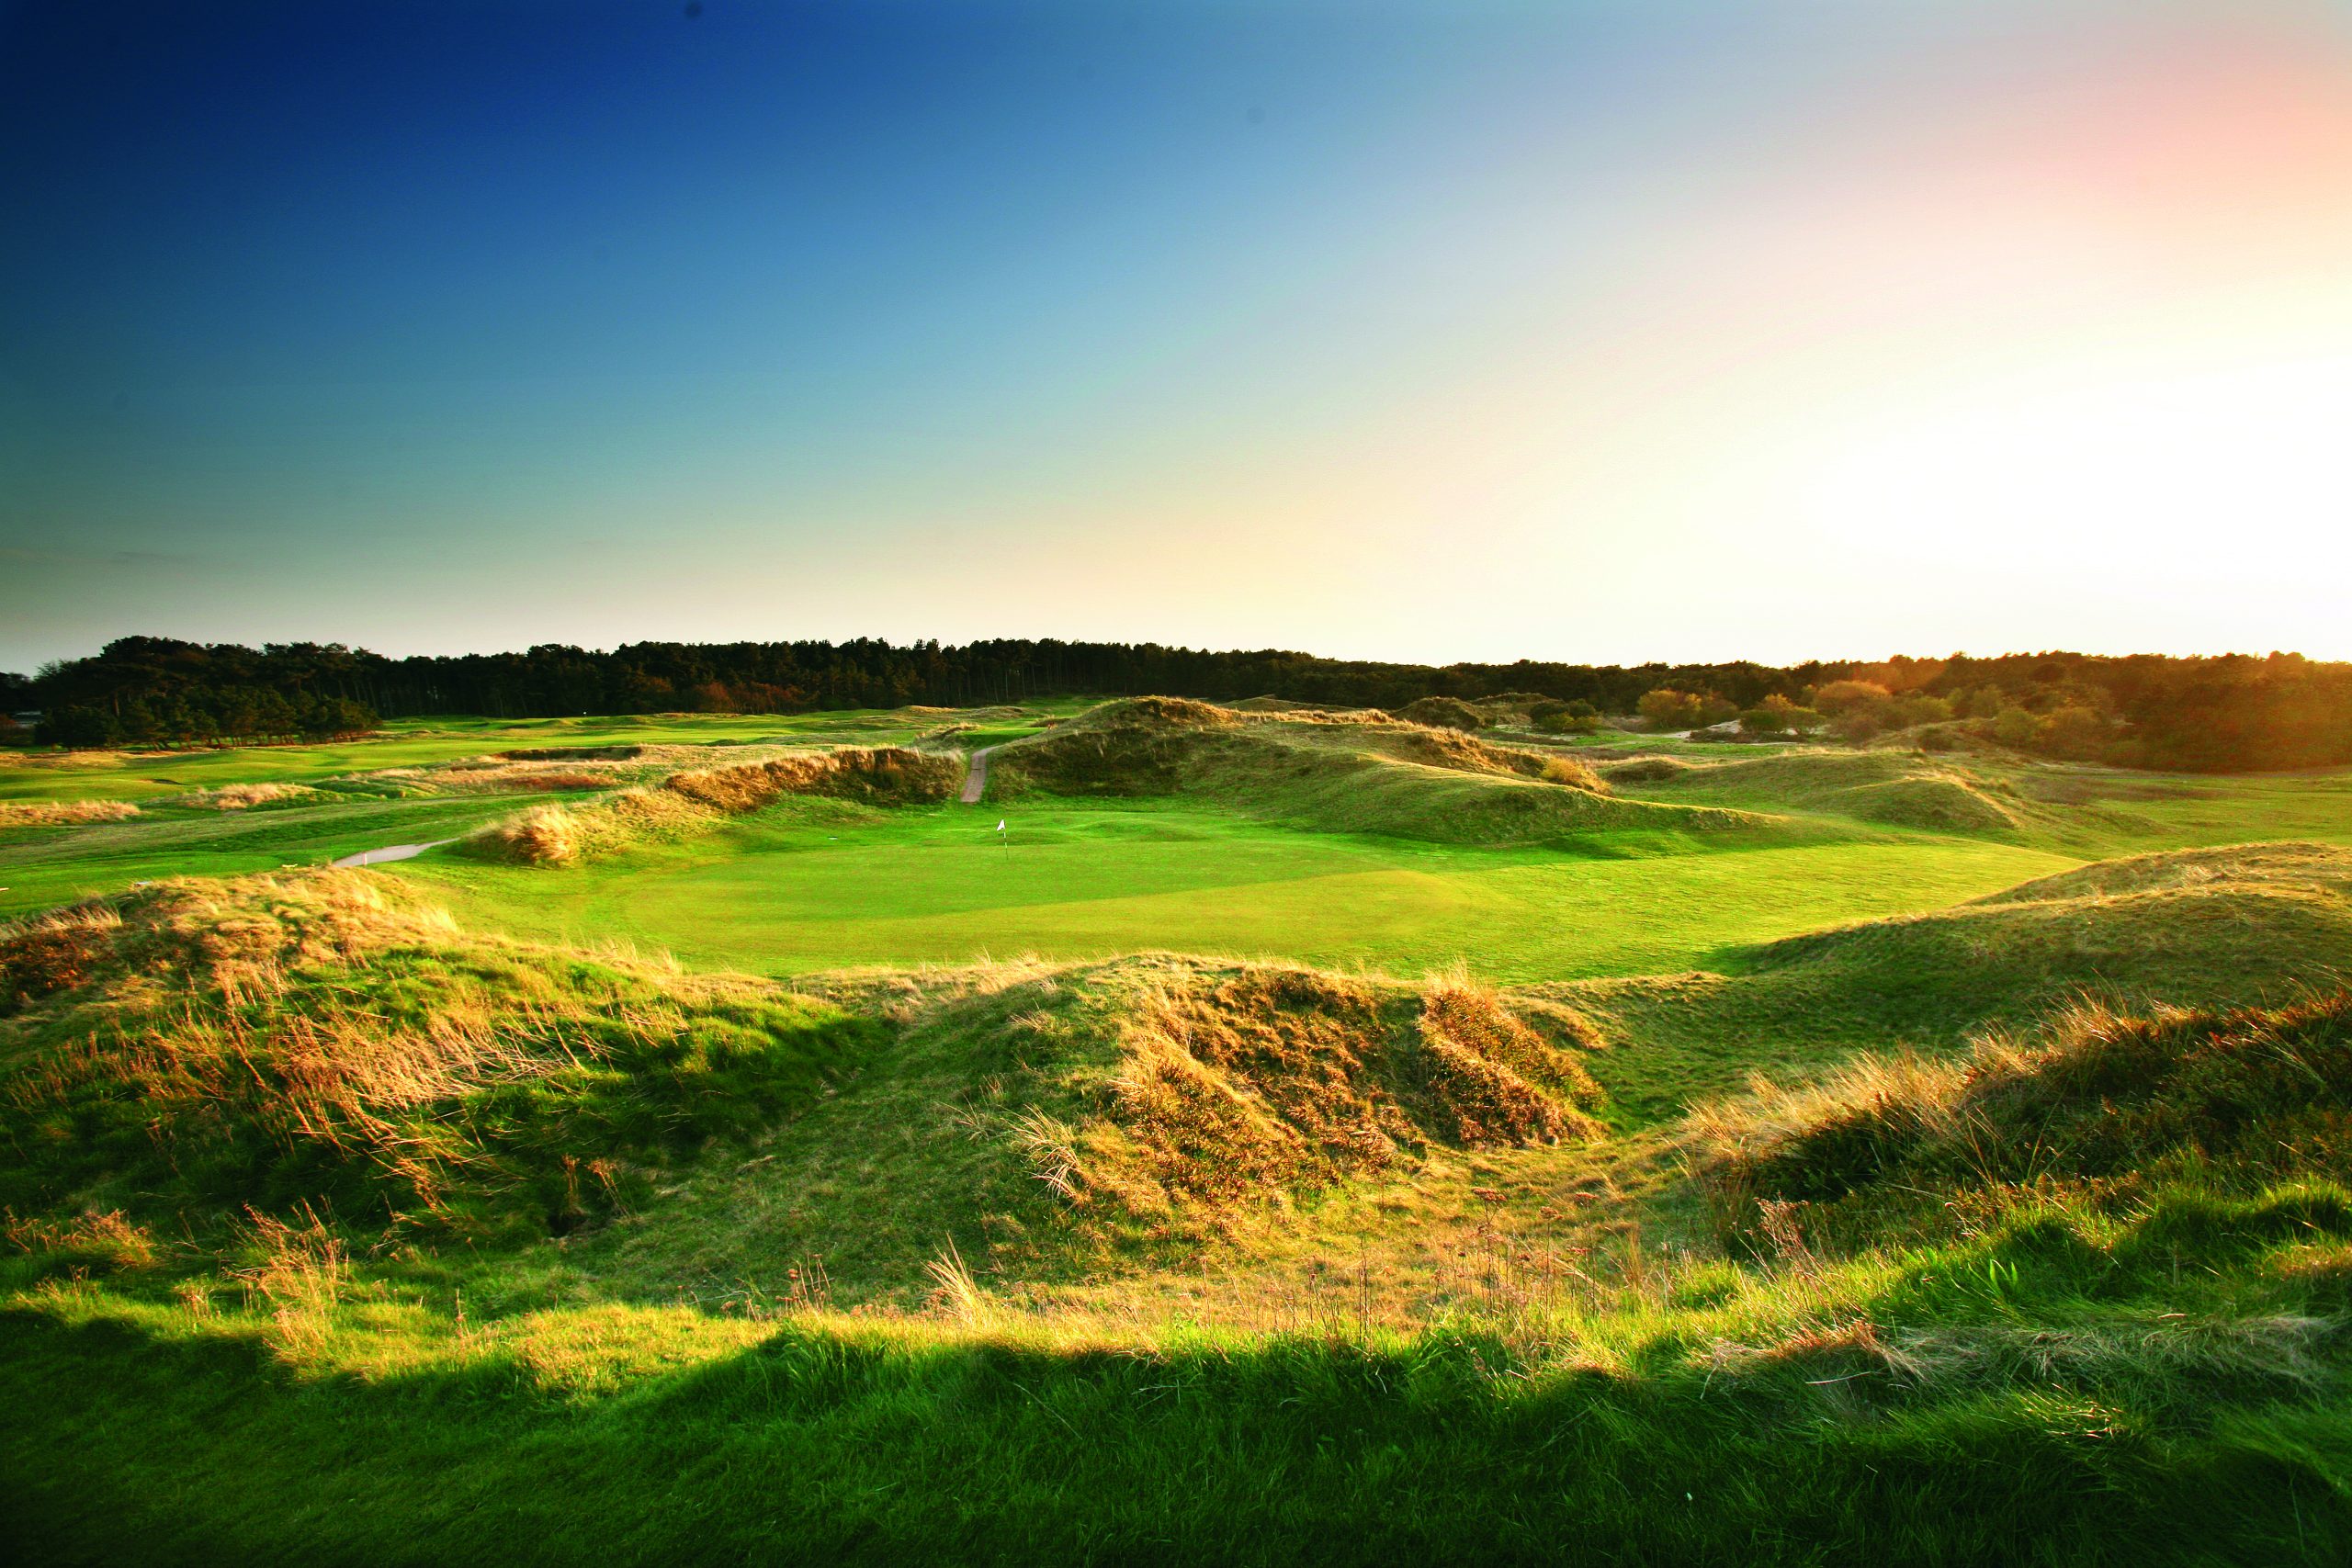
(1805, 1166)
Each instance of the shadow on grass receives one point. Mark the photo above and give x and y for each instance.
(814, 1447)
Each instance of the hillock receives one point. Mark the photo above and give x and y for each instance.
(2201, 928)
(701, 799)
(1336, 772)
(1896, 789)
(326, 1044)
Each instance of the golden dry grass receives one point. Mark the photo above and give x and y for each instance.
(245, 796)
(63, 813)
(697, 800)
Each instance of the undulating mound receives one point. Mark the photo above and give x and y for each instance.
(700, 799)
(1647, 770)
(1899, 789)
(324, 1045)
(2210, 927)
(2097, 1099)
(1443, 713)
(1049, 1119)
(2323, 867)
(1335, 772)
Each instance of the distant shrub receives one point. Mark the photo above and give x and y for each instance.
(1858, 724)
(1667, 708)
(545, 835)
(1576, 717)
(2017, 728)
(1916, 709)
(1838, 696)
(245, 796)
(2077, 733)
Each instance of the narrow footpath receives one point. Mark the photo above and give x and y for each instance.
(977, 779)
(391, 852)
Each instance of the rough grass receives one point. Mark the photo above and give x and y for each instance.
(2260, 922)
(1043, 1120)
(2050, 1374)
(2096, 1098)
(289, 1158)
(1896, 789)
(245, 796)
(62, 813)
(324, 1041)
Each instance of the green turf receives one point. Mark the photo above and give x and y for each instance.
(594, 1329)
(811, 886)
(43, 866)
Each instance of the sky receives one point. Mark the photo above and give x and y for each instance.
(1601, 332)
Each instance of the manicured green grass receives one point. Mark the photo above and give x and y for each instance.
(44, 867)
(812, 886)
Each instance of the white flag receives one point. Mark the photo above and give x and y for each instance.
(999, 824)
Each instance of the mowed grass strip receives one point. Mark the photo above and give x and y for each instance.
(814, 886)
(43, 867)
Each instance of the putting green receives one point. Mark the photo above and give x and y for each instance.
(813, 884)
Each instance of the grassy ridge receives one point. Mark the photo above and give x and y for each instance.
(1337, 773)
(2261, 922)
(320, 1044)
(2062, 1370)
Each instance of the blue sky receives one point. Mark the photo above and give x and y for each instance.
(1600, 332)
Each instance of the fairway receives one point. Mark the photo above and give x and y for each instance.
(812, 886)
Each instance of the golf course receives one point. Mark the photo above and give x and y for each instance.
(1299, 1116)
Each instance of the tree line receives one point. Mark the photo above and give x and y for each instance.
(2229, 712)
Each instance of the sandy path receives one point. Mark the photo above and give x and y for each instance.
(977, 779)
(390, 852)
